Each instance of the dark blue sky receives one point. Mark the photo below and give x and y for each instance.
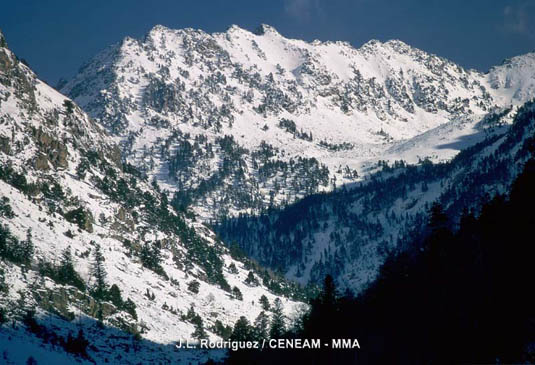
(57, 36)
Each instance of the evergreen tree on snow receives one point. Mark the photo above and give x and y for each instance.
(99, 274)
(277, 320)
(66, 274)
(199, 332)
(242, 330)
(264, 301)
(261, 326)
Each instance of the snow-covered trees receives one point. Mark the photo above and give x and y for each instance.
(251, 279)
(199, 332)
(63, 273)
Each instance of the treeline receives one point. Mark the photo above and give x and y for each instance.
(458, 296)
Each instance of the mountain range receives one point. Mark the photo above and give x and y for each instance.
(243, 122)
(281, 118)
(196, 170)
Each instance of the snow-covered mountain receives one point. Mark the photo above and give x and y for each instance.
(66, 196)
(226, 124)
(240, 121)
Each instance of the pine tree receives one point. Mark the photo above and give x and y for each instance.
(232, 268)
(277, 320)
(28, 248)
(3, 315)
(328, 296)
(222, 330)
(191, 313)
(66, 265)
(130, 307)
(22, 252)
(323, 314)
(251, 279)
(199, 332)
(69, 106)
(264, 301)
(261, 326)
(242, 330)
(438, 219)
(99, 274)
(114, 295)
(150, 256)
(236, 293)
(66, 274)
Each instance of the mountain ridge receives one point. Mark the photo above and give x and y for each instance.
(173, 95)
(237, 123)
(314, 158)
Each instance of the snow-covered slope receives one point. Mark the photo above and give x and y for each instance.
(63, 186)
(239, 121)
(349, 232)
(514, 79)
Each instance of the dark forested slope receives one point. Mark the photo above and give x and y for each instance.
(459, 296)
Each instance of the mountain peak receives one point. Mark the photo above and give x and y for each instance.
(520, 59)
(263, 29)
(396, 43)
(158, 28)
(234, 28)
(392, 45)
(372, 43)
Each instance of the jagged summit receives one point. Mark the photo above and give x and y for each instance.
(525, 58)
(372, 43)
(263, 29)
(516, 76)
(234, 28)
(159, 28)
(399, 45)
